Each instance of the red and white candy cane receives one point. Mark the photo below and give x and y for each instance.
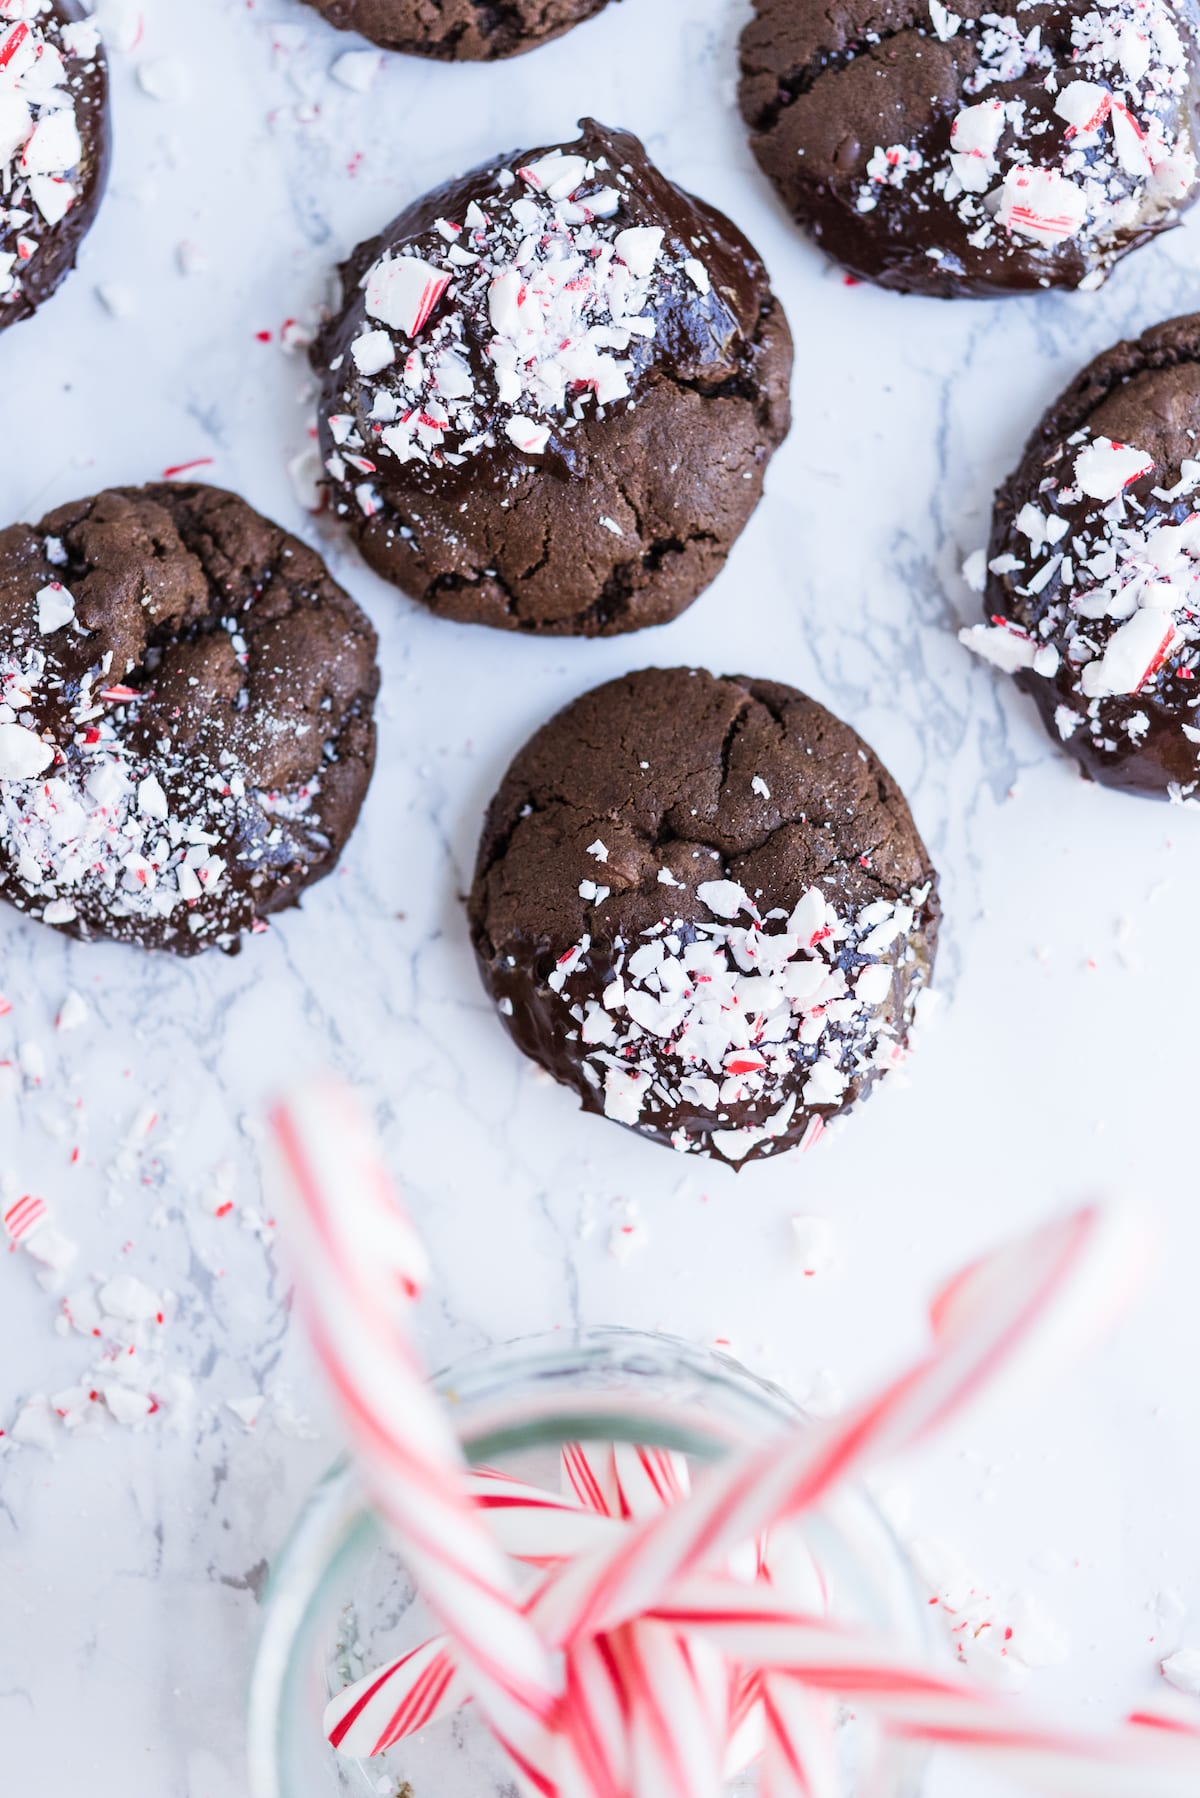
(398, 1700)
(533, 1525)
(1031, 1302)
(800, 1756)
(425, 1684)
(652, 1709)
(1139, 1760)
(922, 1704)
(359, 1265)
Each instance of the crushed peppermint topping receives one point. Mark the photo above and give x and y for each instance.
(94, 819)
(507, 326)
(888, 168)
(746, 1018)
(1091, 147)
(40, 144)
(1120, 578)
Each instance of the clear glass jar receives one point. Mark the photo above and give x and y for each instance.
(340, 1603)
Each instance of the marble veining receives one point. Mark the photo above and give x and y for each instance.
(131, 1559)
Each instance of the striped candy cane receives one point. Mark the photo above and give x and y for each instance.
(669, 1653)
(800, 1748)
(397, 1700)
(1033, 1302)
(359, 1266)
(673, 1696)
(535, 1526)
(423, 1685)
(927, 1705)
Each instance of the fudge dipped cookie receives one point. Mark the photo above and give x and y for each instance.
(962, 149)
(53, 146)
(1093, 569)
(459, 30)
(551, 392)
(186, 728)
(703, 903)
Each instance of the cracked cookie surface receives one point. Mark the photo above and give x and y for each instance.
(965, 149)
(704, 905)
(1093, 583)
(459, 30)
(186, 731)
(551, 393)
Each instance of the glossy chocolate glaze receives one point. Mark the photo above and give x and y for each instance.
(1145, 392)
(823, 86)
(728, 347)
(59, 244)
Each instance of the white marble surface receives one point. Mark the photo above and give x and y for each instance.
(1060, 1065)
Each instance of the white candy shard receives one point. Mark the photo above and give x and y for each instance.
(974, 137)
(73, 1013)
(1104, 468)
(724, 898)
(1182, 1670)
(639, 247)
(402, 292)
(815, 1244)
(129, 1299)
(54, 147)
(557, 175)
(55, 608)
(1003, 644)
(372, 352)
(357, 69)
(528, 436)
(944, 22)
(23, 754)
(1132, 655)
(1084, 105)
(1042, 204)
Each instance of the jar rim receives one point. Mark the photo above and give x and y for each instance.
(517, 1395)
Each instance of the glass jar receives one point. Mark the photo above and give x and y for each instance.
(339, 1602)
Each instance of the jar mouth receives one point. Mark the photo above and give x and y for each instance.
(519, 1398)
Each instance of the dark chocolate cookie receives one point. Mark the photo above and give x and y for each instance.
(1093, 578)
(704, 905)
(185, 717)
(53, 146)
(959, 150)
(551, 392)
(459, 30)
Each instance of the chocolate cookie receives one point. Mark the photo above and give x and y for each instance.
(1093, 576)
(957, 150)
(185, 717)
(53, 146)
(551, 392)
(704, 905)
(459, 30)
